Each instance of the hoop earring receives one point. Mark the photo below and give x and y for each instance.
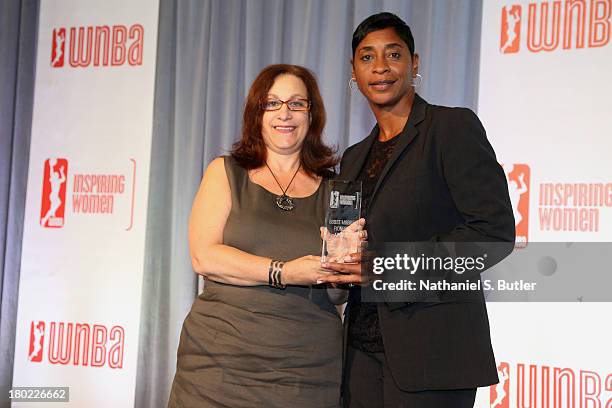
(417, 80)
(352, 84)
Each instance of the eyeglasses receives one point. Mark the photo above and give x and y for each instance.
(293, 104)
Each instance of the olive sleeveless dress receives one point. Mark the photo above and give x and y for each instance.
(257, 346)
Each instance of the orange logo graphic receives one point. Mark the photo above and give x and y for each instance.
(81, 344)
(54, 193)
(97, 46)
(58, 45)
(518, 176)
(541, 386)
(547, 26)
(500, 392)
(37, 338)
(510, 29)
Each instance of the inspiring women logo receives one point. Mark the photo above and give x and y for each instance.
(87, 192)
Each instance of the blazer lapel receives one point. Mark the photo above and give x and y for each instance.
(351, 170)
(417, 115)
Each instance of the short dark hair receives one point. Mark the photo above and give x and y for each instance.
(250, 151)
(381, 21)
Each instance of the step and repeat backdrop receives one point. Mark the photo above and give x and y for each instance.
(86, 206)
(544, 99)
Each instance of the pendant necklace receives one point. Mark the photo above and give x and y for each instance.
(283, 201)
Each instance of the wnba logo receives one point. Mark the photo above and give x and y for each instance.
(77, 344)
(97, 46)
(37, 338)
(550, 24)
(500, 393)
(510, 29)
(58, 45)
(334, 199)
(518, 176)
(54, 193)
(549, 387)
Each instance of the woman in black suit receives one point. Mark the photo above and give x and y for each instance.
(429, 174)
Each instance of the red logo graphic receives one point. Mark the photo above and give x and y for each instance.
(98, 46)
(54, 193)
(92, 193)
(500, 392)
(510, 29)
(518, 176)
(571, 24)
(547, 386)
(58, 43)
(78, 343)
(37, 339)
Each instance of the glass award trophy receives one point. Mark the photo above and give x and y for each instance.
(343, 210)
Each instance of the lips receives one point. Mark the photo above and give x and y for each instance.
(382, 85)
(284, 129)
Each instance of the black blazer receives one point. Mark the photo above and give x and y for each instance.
(442, 183)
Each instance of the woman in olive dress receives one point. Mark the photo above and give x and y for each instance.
(263, 333)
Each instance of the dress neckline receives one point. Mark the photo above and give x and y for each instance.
(315, 193)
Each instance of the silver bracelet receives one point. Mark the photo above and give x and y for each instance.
(275, 274)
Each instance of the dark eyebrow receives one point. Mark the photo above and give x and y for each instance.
(394, 45)
(366, 48)
(387, 46)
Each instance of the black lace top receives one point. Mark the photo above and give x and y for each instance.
(364, 332)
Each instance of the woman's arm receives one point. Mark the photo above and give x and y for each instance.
(223, 263)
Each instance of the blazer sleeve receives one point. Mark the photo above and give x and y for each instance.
(476, 182)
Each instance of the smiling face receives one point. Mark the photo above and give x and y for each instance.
(383, 68)
(284, 130)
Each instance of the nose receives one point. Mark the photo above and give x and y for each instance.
(380, 65)
(284, 113)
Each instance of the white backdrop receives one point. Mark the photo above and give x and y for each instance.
(544, 98)
(86, 205)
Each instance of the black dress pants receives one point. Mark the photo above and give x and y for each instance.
(369, 384)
